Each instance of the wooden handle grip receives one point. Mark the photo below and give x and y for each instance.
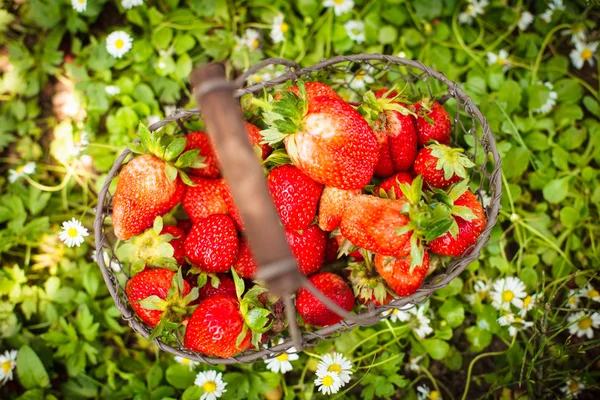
(245, 175)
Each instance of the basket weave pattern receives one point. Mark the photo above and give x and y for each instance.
(345, 74)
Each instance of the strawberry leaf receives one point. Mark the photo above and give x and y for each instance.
(145, 135)
(463, 212)
(215, 281)
(417, 253)
(191, 296)
(170, 171)
(202, 279)
(158, 225)
(239, 284)
(187, 158)
(174, 149)
(271, 136)
(136, 147)
(241, 336)
(257, 320)
(153, 303)
(185, 178)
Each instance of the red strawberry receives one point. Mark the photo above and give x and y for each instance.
(315, 89)
(233, 211)
(402, 139)
(308, 246)
(215, 326)
(256, 139)
(177, 241)
(433, 122)
(222, 286)
(314, 312)
(468, 229)
(245, 265)
(396, 272)
(295, 196)
(370, 222)
(442, 166)
(391, 186)
(184, 224)
(201, 141)
(331, 250)
(208, 197)
(155, 282)
(332, 205)
(385, 164)
(212, 244)
(143, 193)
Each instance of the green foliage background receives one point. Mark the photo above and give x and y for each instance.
(54, 306)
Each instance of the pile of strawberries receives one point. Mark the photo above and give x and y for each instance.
(371, 196)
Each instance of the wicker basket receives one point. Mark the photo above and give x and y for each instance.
(344, 73)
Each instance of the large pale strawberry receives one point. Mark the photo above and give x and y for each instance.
(212, 244)
(391, 186)
(370, 223)
(325, 137)
(295, 195)
(433, 122)
(148, 294)
(332, 205)
(470, 222)
(442, 166)
(151, 184)
(396, 271)
(308, 247)
(314, 312)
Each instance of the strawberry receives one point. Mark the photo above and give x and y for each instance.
(256, 139)
(177, 242)
(295, 195)
(332, 205)
(433, 122)
(325, 138)
(397, 274)
(391, 186)
(308, 247)
(368, 286)
(159, 294)
(185, 224)
(222, 285)
(347, 248)
(245, 265)
(315, 89)
(385, 164)
(201, 141)
(370, 223)
(470, 221)
(331, 250)
(212, 244)
(208, 197)
(224, 325)
(441, 165)
(402, 135)
(314, 312)
(150, 185)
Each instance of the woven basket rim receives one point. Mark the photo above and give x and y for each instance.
(293, 71)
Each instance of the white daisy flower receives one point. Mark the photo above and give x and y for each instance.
(424, 393)
(80, 143)
(403, 314)
(360, 78)
(589, 292)
(528, 304)
(150, 119)
(501, 59)
(525, 20)
(550, 101)
(474, 8)
(114, 265)
(212, 383)
(337, 363)
(585, 325)
(355, 30)
(572, 388)
(572, 299)
(278, 29)
(582, 53)
(508, 291)
(339, 6)
(329, 383)
(8, 362)
(282, 363)
(79, 5)
(170, 109)
(21, 171)
(423, 326)
(514, 324)
(577, 33)
(72, 233)
(129, 4)
(118, 43)
(554, 5)
(186, 361)
(112, 90)
(480, 291)
(251, 39)
(413, 363)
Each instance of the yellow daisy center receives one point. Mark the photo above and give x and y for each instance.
(481, 295)
(284, 27)
(282, 357)
(335, 368)
(81, 1)
(119, 44)
(360, 75)
(518, 320)
(470, 10)
(435, 395)
(7, 366)
(255, 43)
(501, 61)
(20, 169)
(586, 54)
(585, 323)
(327, 380)
(72, 232)
(185, 361)
(593, 293)
(508, 295)
(527, 301)
(209, 386)
(573, 386)
(572, 300)
(338, 1)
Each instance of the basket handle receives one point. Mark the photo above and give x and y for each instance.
(224, 125)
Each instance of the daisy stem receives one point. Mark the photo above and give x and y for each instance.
(402, 327)
(45, 188)
(538, 60)
(379, 363)
(431, 378)
(313, 355)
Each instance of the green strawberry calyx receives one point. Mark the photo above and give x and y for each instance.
(175, 307)
(256, 317)
(445, 199)
(451, 160)
(150, 248)
(374, 109)
(169, 149)
(366, 282)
